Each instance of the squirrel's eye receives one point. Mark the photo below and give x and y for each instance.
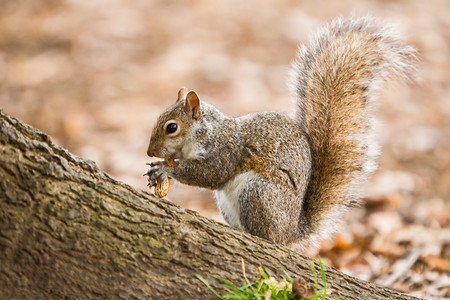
(171, 128)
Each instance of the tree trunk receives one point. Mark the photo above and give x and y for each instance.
(71, 231)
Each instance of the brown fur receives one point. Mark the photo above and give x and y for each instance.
(336, 79)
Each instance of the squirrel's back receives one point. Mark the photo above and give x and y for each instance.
(336, 78)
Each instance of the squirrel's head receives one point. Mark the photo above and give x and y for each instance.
(169, 133)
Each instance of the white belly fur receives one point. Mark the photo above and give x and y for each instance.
(228, 198)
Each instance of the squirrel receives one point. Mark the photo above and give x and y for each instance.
(289, 178)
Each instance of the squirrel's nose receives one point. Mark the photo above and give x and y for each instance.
(151, 152)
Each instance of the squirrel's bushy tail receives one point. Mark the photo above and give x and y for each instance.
(336, 78)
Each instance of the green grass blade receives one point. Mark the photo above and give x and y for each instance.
(234, 296)
(324, 279)
(229, 284)
(261, 270)
(315, 276)
(287, 276)
(247, 287)
(207, 284)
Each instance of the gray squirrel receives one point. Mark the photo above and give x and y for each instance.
(288, 179)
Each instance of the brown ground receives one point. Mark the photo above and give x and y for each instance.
(96, 74)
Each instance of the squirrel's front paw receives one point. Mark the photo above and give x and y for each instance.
(155, 172)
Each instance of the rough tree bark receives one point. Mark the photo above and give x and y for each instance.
(71, 231)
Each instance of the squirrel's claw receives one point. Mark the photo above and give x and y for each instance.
(155, 172)
(158, 163)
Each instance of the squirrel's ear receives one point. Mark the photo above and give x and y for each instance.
(182, 92)
(192, 105)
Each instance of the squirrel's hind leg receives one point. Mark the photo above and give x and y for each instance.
(270, 210)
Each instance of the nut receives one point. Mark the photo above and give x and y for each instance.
(162, 188)
(170, 161)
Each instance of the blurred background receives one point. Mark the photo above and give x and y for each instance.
(96, 74)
